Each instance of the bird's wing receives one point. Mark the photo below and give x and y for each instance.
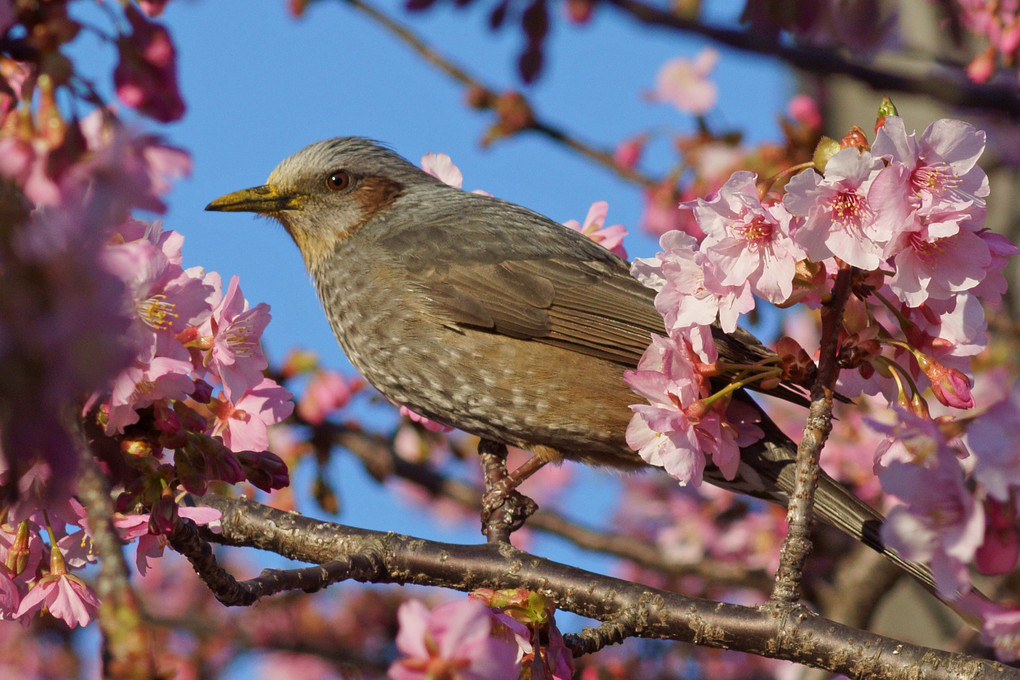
(587, 306)
(514, 272)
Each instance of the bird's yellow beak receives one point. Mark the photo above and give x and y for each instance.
(265, 200)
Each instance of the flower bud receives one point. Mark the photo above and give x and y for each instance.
(826, 149)
(951, 386)
(885, 109)
(855, 139)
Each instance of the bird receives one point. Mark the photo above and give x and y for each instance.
(489, 317)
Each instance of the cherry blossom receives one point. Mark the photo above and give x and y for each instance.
(684, 83)
(674, 430)
(942, 163)
(610, 238)
(851, 212)
(146, 77)
(690, 292)
(242, 424)
(994, 439)
(235, 356)
(940, 524)
(455, 640)
(747, 241)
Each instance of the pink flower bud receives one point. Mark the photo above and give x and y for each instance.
(628, 153)
(951, 386)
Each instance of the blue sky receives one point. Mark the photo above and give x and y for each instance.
(260, 85)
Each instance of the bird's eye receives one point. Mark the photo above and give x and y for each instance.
(338, 180)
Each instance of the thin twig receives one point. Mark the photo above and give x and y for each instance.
(545, 128)
(797, 544)
(233, 593)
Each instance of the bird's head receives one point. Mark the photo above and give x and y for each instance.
(327, 191)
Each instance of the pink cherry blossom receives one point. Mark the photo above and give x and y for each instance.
(628, 152)
(143, 384)
(939, 523)
(942, 163)
(242, 424)
(690, 292)
(937, 259)
(326, 392)
(236, 355)
(146, 77)
(65, 596)
(427, 423)
(10, 596)
(27, 162)
(994, 439)
(1000, 628)
(163, 298)
(1001, 546)
(948, 328)
(151, 545)
(804, 110)
(747, 241)
(153, 8)
(673, 430)
(441, 167)
(136, 169)
(455, 641)
(685, 83)
(851, 212)
(610, 238)
(993, 286)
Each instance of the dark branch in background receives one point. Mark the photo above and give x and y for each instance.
(867, 576)
(292, 635)
(955, 91)
(800, 637)
(536, 124)
(377, 455)
(797, 544)
(127, 647)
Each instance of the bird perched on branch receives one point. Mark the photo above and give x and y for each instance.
(489, 317)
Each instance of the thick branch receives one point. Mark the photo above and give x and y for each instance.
(797, 544)
(955, 91)
(800, 637)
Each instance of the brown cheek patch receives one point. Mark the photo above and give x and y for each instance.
(374, 194)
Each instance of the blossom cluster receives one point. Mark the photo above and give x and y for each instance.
(904, 215)
(104, 334)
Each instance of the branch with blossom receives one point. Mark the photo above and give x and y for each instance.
(808, 638)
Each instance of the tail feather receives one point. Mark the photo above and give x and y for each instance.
(767, 471)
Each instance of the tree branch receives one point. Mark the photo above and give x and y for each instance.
(377, 455)
(954, 91)
(603, 157)
(797, 544)
(799, 637)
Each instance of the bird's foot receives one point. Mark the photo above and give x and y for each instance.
(504, 509)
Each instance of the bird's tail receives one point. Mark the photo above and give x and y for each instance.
(767, 472)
